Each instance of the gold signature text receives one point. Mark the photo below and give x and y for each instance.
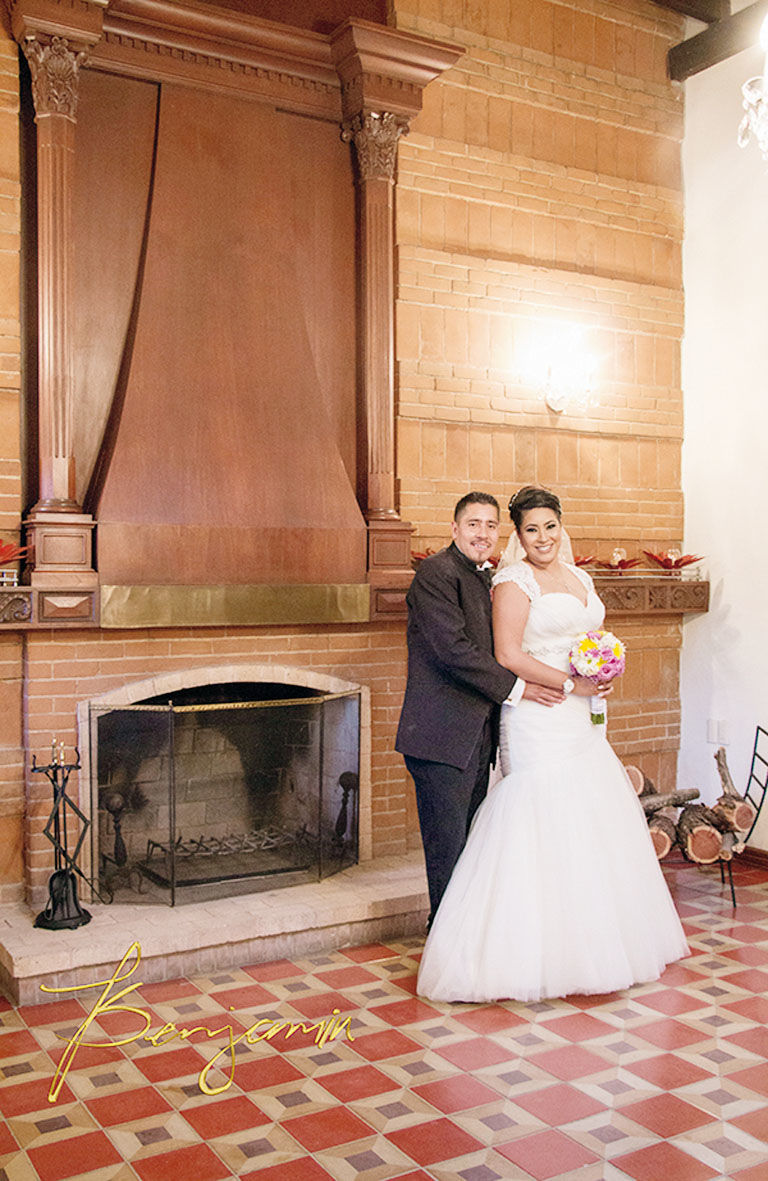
(263, 1030)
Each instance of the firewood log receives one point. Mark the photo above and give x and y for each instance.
(731, 844)
(639, 780)
(729, 788)
(699, 834)
(735, 812)
(655, 803)
(736, 815)
(728, 847)
(663, 833)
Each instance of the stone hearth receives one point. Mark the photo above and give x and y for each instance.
(376, 900)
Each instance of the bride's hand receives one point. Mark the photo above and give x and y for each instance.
(583, 687)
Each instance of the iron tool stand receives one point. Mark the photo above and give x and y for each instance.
(63, 909)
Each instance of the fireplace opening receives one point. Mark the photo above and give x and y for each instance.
(222, 788)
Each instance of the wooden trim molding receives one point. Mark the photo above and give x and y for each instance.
(24, 608)
(360, 64)
(80, 20)
(386, 69)
(220, 49)
(383, 597)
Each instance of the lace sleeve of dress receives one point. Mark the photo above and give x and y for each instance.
(521, 574)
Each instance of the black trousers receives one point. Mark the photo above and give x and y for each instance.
(447, 799)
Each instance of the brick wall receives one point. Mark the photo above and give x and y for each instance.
(539, 187)
(63, 669)
(539, 192)
(11, 767)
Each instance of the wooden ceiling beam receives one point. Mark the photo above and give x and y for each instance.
(721, 40)
(707, 11)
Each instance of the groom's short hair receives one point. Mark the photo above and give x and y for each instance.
(475, 498)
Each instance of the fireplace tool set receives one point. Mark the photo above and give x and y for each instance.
(63, 909)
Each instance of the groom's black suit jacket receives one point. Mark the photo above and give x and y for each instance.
(454, 683)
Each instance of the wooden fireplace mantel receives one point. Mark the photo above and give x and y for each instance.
(654, 595)
(23, 608)
(368, 78)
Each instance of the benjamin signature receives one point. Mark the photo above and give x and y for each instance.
(325, 1030)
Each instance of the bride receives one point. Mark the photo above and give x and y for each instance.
(558, 890)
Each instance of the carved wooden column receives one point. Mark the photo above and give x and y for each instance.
(383, 73)
(375, 135)
(55, 39)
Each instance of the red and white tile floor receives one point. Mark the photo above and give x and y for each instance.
(665, 1082)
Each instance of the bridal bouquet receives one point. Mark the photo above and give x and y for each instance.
(599, 656)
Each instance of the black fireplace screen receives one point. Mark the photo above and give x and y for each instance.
(224, 789)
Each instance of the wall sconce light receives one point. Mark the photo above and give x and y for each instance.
(556, 363)
(562, 390)
(755, 92)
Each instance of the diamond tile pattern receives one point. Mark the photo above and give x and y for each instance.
(668, 1079)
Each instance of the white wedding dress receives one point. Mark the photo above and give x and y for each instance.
(558, 890)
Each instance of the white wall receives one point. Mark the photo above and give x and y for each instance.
(725, 453)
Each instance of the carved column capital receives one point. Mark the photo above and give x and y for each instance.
(54, 63)
(375, 135)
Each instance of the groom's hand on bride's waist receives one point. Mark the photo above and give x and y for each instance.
(542, 694)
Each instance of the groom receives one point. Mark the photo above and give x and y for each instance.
(449, 721)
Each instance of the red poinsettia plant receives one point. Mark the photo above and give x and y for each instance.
(619, 564)
(419, 556)
(672, 560)
(11, 553)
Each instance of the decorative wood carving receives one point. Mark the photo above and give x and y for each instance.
(54, 66)
(67, 608)
(15, 606)
(653, 596)
(25, 608)
(375, 135)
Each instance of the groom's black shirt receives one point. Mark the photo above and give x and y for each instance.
(454, 683)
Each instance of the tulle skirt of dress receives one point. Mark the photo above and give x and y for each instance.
(558, 890)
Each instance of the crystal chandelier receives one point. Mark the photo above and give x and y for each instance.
(755, 91)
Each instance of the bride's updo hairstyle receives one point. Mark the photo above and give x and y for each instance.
(532, 497)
